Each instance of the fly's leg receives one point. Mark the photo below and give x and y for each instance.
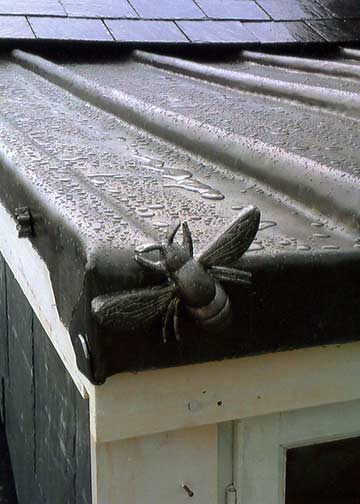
(172, 233)
(187, 239)
(148, 263)
(151, 265)
(169, 315)
(177, 319)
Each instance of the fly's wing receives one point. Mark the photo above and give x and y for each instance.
(132, 310)
(234, 241)
(230, 275)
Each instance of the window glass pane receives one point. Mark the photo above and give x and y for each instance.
(328, 473)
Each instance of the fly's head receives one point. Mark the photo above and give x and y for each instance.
(172, 255)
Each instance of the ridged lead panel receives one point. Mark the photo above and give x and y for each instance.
(121, 162)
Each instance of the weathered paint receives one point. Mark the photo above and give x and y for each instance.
(46, 419)
(19, 394)
(261, 444)
(152, 469)
(32, 275)
(4, 369)
(127, 404)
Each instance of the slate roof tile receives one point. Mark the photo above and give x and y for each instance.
(293, 10)
(99, 8)
(342, 8)
(267, 21)
(69, 28)
(232, 9)
(302, 32)
(167, 9)
(270, 32)
(216, 31)
(32, 7)
(129, 30)
(337, 29)
(15, 27)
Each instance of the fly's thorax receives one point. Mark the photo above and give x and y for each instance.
(196, 286)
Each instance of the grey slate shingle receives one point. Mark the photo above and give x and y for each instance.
(270, 32)
(216, 31)
(32, 7)
(167, 9)
(270, 21)
(99, 8)
(302, 32)
(15, 27)
(232, 9)
(293, 10)
(337, 29)
(69, 29)
(342, 8)
(129, 30)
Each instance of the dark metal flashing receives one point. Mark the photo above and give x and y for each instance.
(180, 21)
(105, 164)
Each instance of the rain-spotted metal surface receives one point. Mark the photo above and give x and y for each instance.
(107, 156)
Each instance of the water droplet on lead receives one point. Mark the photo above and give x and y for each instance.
(213, 195)
(321, 235)
(194, 185)
(330, 247)
(177, 174)
(144, 212)
(255, 246)
(266, 224)
(156, 206)
(160, 224)
(303, 247)
(284, 243)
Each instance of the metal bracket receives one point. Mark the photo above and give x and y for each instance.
(24, 222)
(83, 355)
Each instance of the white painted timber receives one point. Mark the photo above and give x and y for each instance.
(153, 469)
(259, 454)
(225, 461)
(136, 404)
(261, 444)
(33, 277)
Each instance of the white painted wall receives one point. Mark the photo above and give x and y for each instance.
(152, 469)
(261, 444)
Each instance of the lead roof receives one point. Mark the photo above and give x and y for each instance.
(109, 154)
(181, 21)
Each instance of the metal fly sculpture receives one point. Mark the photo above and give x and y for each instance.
(192, 284)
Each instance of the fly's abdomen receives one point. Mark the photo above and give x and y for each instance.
(215, 315)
